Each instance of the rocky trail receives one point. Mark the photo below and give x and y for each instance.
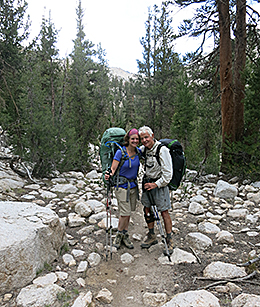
(216, 226)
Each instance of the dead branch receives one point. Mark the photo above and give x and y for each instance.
(195, 254)
(249, 262)
(17, 159)
(219, 282)
(27, 171)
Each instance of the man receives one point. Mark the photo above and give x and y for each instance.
(155, 189)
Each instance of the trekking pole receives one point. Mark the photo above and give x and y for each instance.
(108, 209)
(159, 224)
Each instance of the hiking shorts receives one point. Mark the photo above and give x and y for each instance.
(125, 208)
(159, 197)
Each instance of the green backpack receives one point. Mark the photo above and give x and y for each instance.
(111, 141)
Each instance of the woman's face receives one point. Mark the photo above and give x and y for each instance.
(134, 140)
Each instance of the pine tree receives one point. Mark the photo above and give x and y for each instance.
(217, 19)
(87, 92)
(159, 70)
(40, 106)
(13, 32)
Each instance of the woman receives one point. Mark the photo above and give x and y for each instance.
(127, 187)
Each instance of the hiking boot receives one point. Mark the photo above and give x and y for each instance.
(127, 241)
(149, 241)
(170, 246)
(118, 240)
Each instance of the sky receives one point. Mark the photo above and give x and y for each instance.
(117, 24)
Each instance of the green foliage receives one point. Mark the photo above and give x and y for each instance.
(12, 24)
(158, 72)
(52, 108)
(183, 118)
(245, 155)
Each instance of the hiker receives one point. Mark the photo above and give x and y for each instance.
(155, 189)
(127, 190)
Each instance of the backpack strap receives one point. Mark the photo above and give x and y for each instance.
(158, 152)
(123, 159)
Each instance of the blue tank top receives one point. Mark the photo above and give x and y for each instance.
(127, 171)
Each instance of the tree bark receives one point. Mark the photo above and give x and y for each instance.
(225, 56)
(239, 65)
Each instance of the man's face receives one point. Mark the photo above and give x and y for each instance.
(147, 140)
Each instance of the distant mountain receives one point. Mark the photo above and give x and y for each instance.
(118, 72)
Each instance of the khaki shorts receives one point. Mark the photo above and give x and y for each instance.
(125, 208)
(159, 197)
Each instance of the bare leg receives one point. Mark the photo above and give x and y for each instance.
(167, 221)
(123, 223)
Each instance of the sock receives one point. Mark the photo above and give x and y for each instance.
(169, 235)
(124, 231)
(120, 231)
(151, 231)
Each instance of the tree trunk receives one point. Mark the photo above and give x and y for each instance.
(239, 65)
(225, 59)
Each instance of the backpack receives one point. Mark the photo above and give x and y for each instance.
(111, 141)
(178, 161)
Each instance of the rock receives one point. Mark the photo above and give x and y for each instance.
(223, 270)
(61, 275)
(104, 296)
(225, 190)
(94, 259)
(8, 184)
(178, 256)
(254, 197)
(75, 220)
(208, 227)
(195, 208)
(83, 265)
(256, 184)
(64, 188)
(68, 259)
(93, 175)
(103, 224)
(233, 288)
(83, 300)
(225, 237)
(246, 300)
(33, 186)
(48, 279)
(127, 258)
(154, 299)
(199, 199)
(77, 253)
(86, 230)
(47, 194)
(237, 213)
(27, 229)
(200, 298)
(34, 295)
(199, 241)
(96, 205)
(252, 218)
(83, 209)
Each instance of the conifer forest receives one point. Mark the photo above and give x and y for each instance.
(52, 108)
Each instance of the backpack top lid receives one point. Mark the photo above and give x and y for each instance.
(113, 134)
(172, 144)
